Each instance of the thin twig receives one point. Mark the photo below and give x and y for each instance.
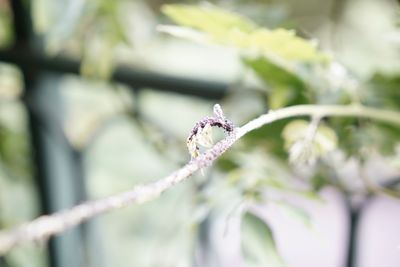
(43, 227)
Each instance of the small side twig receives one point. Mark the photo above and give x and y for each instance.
(45, 226)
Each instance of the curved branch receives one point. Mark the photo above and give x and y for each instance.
(45, 226)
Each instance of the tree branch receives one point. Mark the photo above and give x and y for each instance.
(43, 227)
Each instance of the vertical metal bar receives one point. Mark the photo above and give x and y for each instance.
(91, 242)
(59, 179)
(353, 221)
(22, 23)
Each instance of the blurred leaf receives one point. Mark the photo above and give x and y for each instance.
(386, 137)
(286, 87)
(304, 145)
(325, 137)
(108, 16)
(383, 91)
(259, 169)
(232, 29)
(319, 180)
(183, 32)
(359, 137)
(258, 244)
(227, 164)
(278, 57)
(6, 23)
(349, 133)
(94, 29)
(294, 131)
(269, 136)
(208, 18)
(281, 44)
(288, 187)
(98, 59)
(279, 97)
(14, 152)
(295, 212)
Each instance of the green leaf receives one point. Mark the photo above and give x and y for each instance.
(320, 180)
(269, 136)
(278, 57)
(383, 91)
(287, 88)
(232, 29)
(282, 43)
(207, 18)
(227, 164)
(294, 131)
(258, 244)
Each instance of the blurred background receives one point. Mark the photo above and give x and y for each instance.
(94, 100)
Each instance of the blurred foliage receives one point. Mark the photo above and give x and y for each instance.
(288, 88)
(14, 141)
(294, 71)
(306, 142)
(382, 91)
(209, 20)
(88, 29)
(233, 30)
(283, 67)
(258, 243)
(17, 187)
(291, 67)
(6, 32)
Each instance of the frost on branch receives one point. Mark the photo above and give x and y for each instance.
(201, 133)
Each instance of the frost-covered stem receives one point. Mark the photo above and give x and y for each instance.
(388, 116)
(45, 226)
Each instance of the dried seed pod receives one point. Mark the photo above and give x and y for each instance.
(204, 136)
(201, 133)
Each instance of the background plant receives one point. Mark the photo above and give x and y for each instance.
(293, 71)
(290, 71)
